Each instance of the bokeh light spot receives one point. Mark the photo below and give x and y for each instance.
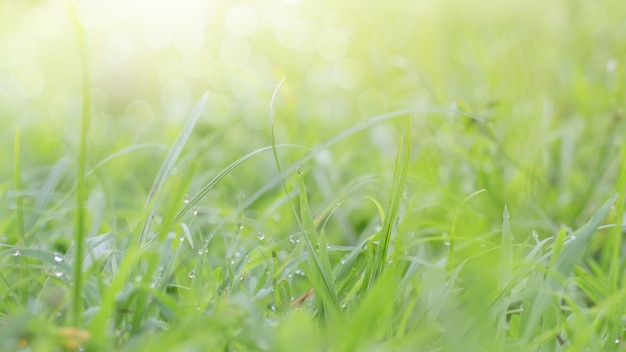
(117, 48)
(245, 85)
(235, 51)
(314, 109)
(241, 21)
(176, 96)
(62, 107)
(292, 33)
(169, 70)
(195, 64)
(217, 109)
(31, 81)
(320, 80)
(348, 74)
(102, 129)
(139, 115)
(256, 114)
(157, 34)
(219, 75)
(372, 102)
(332, 45)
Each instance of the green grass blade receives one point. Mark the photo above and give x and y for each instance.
(19, 206)
(322, 280)
(81, 191)
(564, 264)
(454, 227)
(154, 196)
(615, 250)
(506, 251)
(397, 189)
(320, 264)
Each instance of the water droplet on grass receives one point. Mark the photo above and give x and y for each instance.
(446, 238)
(192, 274)
(342, 260)
(300, 170)
(57, 274)
(260, 236)
(186, 199)
(58, 257)
(16, 253)
(536, 236)
(194, 212)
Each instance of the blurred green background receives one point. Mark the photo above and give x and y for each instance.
(545, 80)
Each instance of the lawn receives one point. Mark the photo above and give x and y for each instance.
(312, 175)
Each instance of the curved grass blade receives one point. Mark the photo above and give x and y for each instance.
(322, 279)
(571, 254)
(154, 196)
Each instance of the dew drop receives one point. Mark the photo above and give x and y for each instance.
(536, 236)
(260, 236)
(200, 251)
(342, 260)
(58, 257)
(16, 253)
(186, 199)
(572, 237)
(300, 170)
(181, 238)
(293, 239)
(194, 212)
(192, 274)
(446, 238)
(138, 278)
(57, 273)
(240, 226)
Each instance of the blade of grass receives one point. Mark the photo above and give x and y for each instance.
(81, 196)
(44, 194)
(506, 251)
(19, 206)
(154, 197)
(615, 250)
(397, 189)
(322, 280)
(564, 264)
(454, 226)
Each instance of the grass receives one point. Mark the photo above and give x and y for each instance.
(453, 179)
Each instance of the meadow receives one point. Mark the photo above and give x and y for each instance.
(312, 175)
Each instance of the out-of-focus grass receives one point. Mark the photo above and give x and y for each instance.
(195, 239)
